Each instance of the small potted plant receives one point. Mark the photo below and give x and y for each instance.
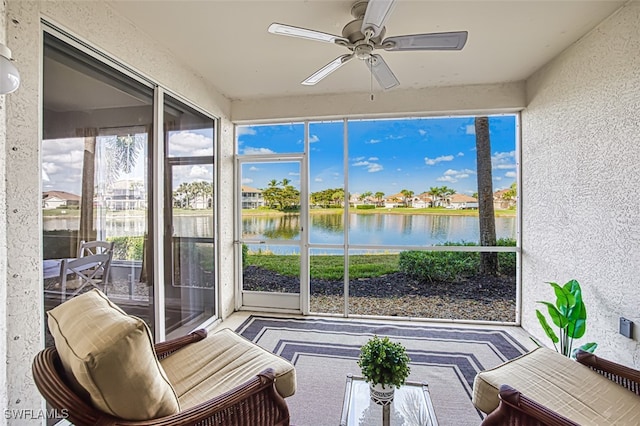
(569, 315)
(385, 366)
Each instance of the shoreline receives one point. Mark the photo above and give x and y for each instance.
(312, 212)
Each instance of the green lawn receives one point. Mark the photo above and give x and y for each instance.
(328, 267)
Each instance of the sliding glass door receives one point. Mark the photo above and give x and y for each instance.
(99, 159)
(189, 223)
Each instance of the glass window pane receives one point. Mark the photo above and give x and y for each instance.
(95, 173)
(189, 133)
(326, 270)
(326, 182)
(189, 217)
(431, 284)
(270, 139)
(421, 175)
(270, 200)
(271, 268)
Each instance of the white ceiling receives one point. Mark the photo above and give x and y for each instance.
(228, 44)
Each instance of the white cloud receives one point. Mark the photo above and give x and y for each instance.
(247, 180)
(245, 130)
(257, 151)
(498, 178)
(373, 141)
(510, 174)
(503, 160)
(461, 154)
(398, 169)
(449, 179)
(371, 167)
(253, 169)
(422, 132)
(199, 172)
(373, 158)
(452, 175)
(432, 161)
(394, 137)
(317, 179)
(294, 174)
(313, 138)
(471, 129)
(358, 159)
(187, 143)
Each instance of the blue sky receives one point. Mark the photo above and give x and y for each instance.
(384, 155)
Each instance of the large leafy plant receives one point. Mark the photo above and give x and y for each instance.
(383, 361)
(569, 315)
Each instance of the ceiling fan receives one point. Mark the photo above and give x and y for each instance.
(366, 33)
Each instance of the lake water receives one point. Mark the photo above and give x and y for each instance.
(376, 229)
(369, 229)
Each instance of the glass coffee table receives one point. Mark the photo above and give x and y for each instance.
(411, 406)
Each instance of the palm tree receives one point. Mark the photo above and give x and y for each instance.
(378, 195)
(436, 194)
(122, 152)
(365, 195)
(407, 195)
(488, 261)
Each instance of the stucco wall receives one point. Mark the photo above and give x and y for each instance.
(580, 159)
(20, 166)
(506, 97)
(3, 235)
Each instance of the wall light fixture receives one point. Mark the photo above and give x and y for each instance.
(9, 75)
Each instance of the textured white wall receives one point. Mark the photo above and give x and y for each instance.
(506, 97)
(22, 327)
(3, 236)
(581, 182)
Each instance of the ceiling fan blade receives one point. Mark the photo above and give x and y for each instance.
(288, 30)
(327, 69)
(382, 72)
(433, 41)
(376, 15)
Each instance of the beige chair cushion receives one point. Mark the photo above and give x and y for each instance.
(562, 385)
(109, 355)
(220, 362)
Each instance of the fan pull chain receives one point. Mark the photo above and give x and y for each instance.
(370, 79)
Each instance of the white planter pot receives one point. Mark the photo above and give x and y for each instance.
(381, 394)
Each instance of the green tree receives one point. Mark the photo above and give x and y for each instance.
(511, 193)
(378, 196)
(407, 196)
(436, 194)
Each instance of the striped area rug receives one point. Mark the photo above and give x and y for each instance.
(324, 351)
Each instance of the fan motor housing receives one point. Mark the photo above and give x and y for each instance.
(353, 32)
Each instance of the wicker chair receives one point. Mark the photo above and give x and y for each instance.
(517, 409)
(254, 403)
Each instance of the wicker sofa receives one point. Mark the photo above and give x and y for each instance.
(543, 387)
(106, 370)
